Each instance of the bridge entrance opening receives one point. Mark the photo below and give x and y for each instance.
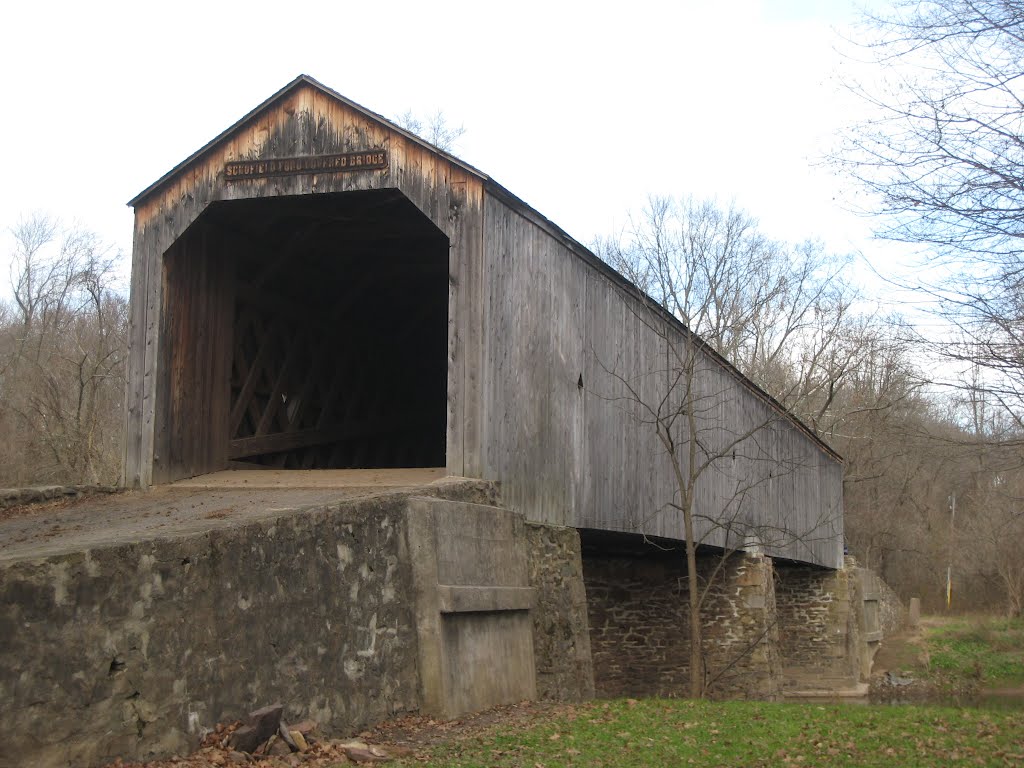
(306, 332)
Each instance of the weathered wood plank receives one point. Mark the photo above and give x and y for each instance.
(610, 471)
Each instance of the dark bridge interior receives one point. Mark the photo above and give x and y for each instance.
(307, 333)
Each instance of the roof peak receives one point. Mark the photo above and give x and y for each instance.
(300, 80)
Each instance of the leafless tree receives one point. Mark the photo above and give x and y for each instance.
(62, 352)
(709, 286)
(991, 500)
(435, 128)
(781, 313)
(942, 155)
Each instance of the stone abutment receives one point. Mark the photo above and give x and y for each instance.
(348, 613)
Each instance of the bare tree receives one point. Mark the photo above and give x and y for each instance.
(994, 528)
(435, 128)
(780, 313)
(62, 351)
(883, 424)
(992, 499)
(942, 154)
(707, 283)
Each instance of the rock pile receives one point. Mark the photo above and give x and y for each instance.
(18, 497)
(266, 740)
(267, 733)
(906, 688)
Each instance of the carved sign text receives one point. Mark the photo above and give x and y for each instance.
(373, 160)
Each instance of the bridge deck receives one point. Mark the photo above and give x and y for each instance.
(220, 500)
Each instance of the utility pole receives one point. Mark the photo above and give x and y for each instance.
(949, 562)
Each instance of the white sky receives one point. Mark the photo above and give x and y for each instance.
(581, 109)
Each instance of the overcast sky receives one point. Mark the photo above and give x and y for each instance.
(580, 109)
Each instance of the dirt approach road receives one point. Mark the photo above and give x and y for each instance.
(187, 507)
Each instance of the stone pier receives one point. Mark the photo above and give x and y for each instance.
(831, 624)
(639, 625)
(769, 627)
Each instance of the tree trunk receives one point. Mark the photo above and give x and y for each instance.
(696, 653)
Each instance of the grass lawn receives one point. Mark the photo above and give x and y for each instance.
(663, 732)
(990, 650)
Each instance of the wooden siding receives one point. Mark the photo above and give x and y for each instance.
(303, 119)
(579, 456)
(192, 423)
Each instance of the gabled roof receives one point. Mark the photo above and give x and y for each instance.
(281, 94)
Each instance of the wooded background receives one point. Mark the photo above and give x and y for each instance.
(785, 314)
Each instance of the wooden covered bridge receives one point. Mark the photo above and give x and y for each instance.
(318, 288)
(319, 294)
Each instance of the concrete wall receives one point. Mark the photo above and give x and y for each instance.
(133, 650)
(639, 621)
(473, 597)
(891, 613)
(347, 613)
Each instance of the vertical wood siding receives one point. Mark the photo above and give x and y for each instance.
(193, 429)
(581, 456)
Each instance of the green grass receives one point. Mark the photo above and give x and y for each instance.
(989, 650)
(660, 732)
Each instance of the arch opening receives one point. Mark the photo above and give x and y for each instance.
(306, 332)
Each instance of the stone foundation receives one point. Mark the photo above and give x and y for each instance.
(639, 630)
(561, 641)
(831, 624)
(357, 610)
(741, 639)
(346, 613)
(136, 650)
(820, 637)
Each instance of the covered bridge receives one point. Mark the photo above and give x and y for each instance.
(319, 291)
(319, 288)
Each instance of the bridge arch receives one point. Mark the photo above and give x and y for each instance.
(305, 332)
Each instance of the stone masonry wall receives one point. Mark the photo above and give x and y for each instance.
(561, 641)
(818, 627)
(639, 626)
(892, 613)
(134, 650)
(741, 638)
